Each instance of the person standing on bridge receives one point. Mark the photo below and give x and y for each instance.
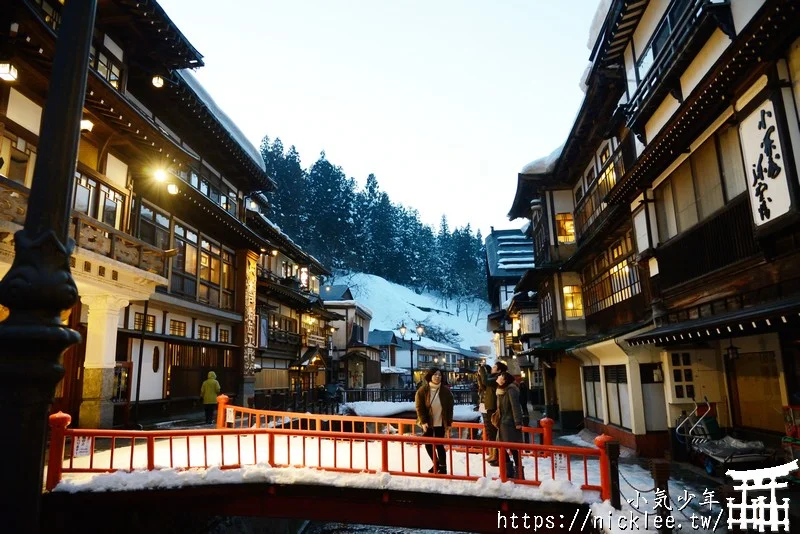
(488, 377)
(434, 403)
(510, 427)
(208, 392)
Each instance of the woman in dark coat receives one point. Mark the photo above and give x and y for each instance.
(510, 429)
(435, 415)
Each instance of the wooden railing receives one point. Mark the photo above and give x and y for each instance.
(88, 233)
(712, 244)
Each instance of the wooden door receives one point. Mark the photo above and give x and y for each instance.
(757, 396)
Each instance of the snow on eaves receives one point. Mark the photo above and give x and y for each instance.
(346, 303)
(543, 165)
(220, 115)
(597, 22)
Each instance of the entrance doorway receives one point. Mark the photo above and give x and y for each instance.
(755, 387)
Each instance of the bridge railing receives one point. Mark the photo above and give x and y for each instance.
(104, 451)
(229, 416)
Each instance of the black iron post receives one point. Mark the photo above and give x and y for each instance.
(39, 285)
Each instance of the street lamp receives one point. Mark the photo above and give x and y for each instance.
(420, 331)
(39, 285)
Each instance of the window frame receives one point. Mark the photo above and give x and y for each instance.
(138, 317)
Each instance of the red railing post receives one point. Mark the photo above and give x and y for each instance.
(271, 445)
(222, 402)
(384, 456)
(151, 453)
(605, 469)
(55, 464)
(501, 459)
(547, 427)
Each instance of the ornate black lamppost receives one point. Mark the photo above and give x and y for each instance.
(420, 331)
(39, 286)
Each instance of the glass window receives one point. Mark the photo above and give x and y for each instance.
(685, 202)
(708, 183)
(154, 227)
(110, 206)
(665, 212)
(139, 317)
(177, 328)
(619, 410)
(224, 335)
(565, 227)
(204, 332)
(732, 165)
(573, 303)
(184, 264)
(85, 190)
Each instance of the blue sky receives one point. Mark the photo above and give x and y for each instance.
(444, 101)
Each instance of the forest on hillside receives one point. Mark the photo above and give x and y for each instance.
(361, 229)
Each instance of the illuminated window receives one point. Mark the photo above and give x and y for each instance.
(177, 328)
(224, 335)
(565, 227)
(204, 332)
(573, 303)
(151, 322)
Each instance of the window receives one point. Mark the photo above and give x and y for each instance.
(184, 264)
(665, 212)
(661, 36)
(573, 304)
(97, 200)
(204, 332)
(19, 158)
(682, 375)
(708, 183)
(177, 328)
(612, 285)
(578, 193)
(565, 227)
(619, 410)
(228, 280)
(209, 272)
(224, 335)
(137, 322)
(154, 227)
(608, 176)
(730, 152)
(547, 307)
(593, 391)
(684, 196)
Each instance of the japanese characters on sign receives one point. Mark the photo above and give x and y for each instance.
(767, 184)
(250, 318)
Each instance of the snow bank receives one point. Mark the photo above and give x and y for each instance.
(461, 412)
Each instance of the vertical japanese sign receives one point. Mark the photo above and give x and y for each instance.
(251, 282)
(767, 184)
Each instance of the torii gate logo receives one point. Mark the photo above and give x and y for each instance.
(758, 512)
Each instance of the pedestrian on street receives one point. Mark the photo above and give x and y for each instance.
(208, 393)
(434, 403)
(510, 427)
(488, 375)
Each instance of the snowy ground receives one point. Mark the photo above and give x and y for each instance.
(461, 412)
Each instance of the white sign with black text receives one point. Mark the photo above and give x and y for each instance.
(765, 171)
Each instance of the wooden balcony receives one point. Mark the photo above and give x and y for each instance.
(712, 244)
(282, 336)
(88, 233)
(693, 24)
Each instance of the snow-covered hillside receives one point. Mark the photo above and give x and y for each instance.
(392, 304)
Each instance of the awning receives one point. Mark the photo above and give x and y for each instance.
(745, 322)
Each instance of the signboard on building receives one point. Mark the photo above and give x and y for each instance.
(251, 282)
(765, 168)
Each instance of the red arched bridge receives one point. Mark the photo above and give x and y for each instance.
(325, 467)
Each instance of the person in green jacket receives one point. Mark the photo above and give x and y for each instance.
(208, 392)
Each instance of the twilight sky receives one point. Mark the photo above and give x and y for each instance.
(444, 101)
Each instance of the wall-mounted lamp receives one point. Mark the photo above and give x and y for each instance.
(86, 125)
(158, 82)
(8, 71)
(274, 252)
(160, 175)
(172, 189)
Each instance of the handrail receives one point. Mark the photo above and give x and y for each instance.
(237, 443)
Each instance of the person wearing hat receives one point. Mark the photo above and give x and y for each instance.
(208, 392)
(434, 404)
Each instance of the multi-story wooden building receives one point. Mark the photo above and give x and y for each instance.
(163, 180)
(680, 178)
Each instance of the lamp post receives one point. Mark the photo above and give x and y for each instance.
(39, 285)
(420, 331)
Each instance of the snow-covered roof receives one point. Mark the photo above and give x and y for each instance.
(543, 165)
(346, 304)
(509, 253)
(597, 22)
(220, 115)
(394, 371)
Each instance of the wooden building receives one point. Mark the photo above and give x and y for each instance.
(679, 176)
(164, 251)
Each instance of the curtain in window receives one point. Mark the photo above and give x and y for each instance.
(732, 166)
(683, 190)
(707, 178)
